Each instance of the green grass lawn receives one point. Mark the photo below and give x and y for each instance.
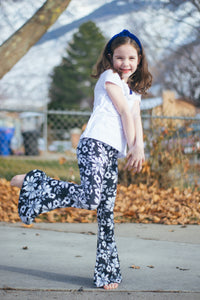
(68, 171)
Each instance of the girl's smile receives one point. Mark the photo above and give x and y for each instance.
(125, 70)
(125, 60)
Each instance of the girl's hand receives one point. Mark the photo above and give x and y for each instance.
(135, 158)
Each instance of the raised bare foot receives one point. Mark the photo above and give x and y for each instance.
(17, 180)
(111, 286)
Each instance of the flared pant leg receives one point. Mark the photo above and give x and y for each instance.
(107, 268)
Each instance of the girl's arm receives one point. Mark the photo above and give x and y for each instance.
(119, 101)
(135, 155)
(132, 126)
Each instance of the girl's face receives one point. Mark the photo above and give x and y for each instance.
(125, 60)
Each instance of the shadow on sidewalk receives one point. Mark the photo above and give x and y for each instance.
(78, 280)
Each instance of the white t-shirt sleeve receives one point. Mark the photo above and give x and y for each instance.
(113, 77)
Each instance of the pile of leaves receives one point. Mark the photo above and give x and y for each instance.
(135, 203)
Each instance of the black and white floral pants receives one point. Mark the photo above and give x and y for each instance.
(99, 172)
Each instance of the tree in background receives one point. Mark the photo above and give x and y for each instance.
(174, 54)
(72, 86)
(182, 74)
(14, 48)
(183, 66)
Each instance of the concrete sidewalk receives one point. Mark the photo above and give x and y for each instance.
(56, 261)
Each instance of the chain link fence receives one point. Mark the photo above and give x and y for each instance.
(48, 139)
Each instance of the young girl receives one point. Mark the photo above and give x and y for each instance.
(115, 122)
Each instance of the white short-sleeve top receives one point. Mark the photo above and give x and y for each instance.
(105, 123)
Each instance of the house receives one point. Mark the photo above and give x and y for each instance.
(172, 107)
(182, 117)
(167, 106)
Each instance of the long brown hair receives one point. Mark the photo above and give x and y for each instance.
(140, 81)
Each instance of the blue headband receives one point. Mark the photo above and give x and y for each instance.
(123, 34)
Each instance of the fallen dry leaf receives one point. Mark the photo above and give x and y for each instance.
(62, 160)
(135, 267)
(25, 248)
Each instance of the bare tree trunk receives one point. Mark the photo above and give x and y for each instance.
(13, 49)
